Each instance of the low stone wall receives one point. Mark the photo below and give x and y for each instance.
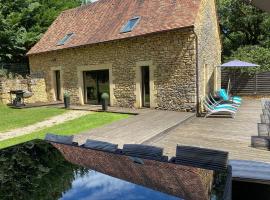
(37, 86)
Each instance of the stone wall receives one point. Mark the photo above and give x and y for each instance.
(209, 48)
(171, 53)
(37, 86)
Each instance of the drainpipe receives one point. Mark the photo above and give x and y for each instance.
(198, 114)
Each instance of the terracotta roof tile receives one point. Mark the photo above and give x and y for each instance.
(103, 20)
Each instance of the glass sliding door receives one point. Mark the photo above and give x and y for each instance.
(95, 83)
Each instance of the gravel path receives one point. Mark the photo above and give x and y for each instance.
(70, 115)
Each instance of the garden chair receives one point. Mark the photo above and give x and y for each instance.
(220, 102)
(59, 139)
(213, 102)
(224, 96)
(219, 110)
(263, 129)
(144, 152)
(100, 145)
(201, 158)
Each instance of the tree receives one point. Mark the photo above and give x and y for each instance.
(242, 24)
(22, 23)
(254, 54)
(35, 170)
(245, 33)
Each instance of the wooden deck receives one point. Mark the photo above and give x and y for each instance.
(98, 108)
(137, 129)
(232, 135)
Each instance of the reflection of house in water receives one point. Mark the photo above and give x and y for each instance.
(185, 182)
(43, 170)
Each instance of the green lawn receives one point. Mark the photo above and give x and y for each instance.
(72, 127)
(14, 118)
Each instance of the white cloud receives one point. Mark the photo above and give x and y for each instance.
(98, 186)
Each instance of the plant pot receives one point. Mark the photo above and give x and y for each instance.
(105, 101)
(67, 102)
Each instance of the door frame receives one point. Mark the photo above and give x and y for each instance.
(54, 84)
(153, 90)
(80, 74)
(85, 88)
(143, 86)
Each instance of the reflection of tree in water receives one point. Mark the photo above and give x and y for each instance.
(35, 170)
(219, 185)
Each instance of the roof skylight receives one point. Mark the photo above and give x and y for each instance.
(65, 39)
(130, 25)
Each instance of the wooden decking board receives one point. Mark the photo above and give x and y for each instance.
(136, 129)
(231, 135)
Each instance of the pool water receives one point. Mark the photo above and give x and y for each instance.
(94, 185)
(36, 170)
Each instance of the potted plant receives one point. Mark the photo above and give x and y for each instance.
(67, 99)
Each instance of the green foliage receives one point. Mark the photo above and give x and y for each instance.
(254, 54)
(3, 73)
(35, 170)
(245, 33)
(242, 24)
(66, 94)
(22, 23)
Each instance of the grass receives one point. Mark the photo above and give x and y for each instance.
(72, 127)
(15, 118)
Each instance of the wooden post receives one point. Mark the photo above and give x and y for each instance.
(255, 88)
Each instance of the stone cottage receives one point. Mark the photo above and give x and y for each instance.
(145, 53)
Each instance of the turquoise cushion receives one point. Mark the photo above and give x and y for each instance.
(236, 101)
(237, 98)
(226, 106)
(223, 95)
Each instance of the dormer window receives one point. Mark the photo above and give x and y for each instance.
(130, 25)
(65, 39)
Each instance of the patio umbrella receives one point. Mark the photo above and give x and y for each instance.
(236, 64)
(261, 4)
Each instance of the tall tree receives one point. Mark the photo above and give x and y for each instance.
(22, 23)
(242, 24)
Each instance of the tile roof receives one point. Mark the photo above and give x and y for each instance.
(103, 20)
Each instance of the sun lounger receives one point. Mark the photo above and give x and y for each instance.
(213, 102)
(219, 110)
(219, 102)
(224, 96)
